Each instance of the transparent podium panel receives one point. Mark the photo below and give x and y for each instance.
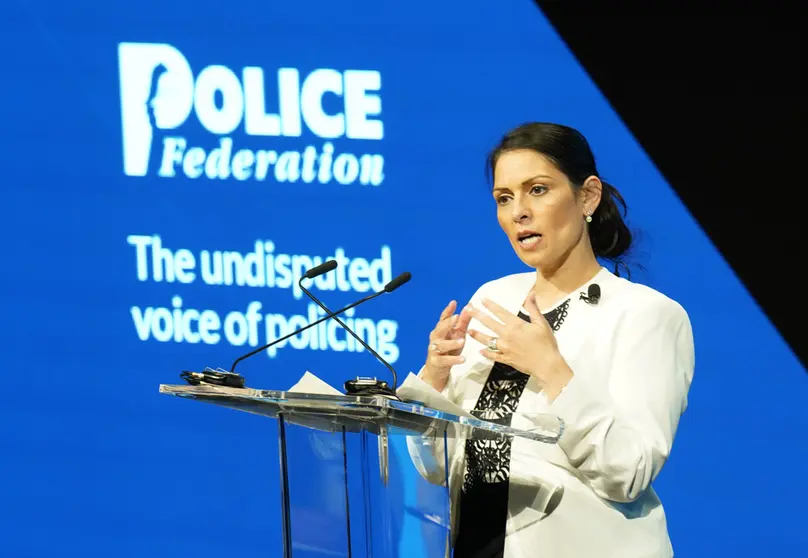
(367, 476)
(358, 494)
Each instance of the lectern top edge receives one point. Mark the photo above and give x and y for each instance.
(329, 412)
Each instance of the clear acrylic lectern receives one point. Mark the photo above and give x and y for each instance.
(364, 477)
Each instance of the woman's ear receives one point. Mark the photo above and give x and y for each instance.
(589, 195)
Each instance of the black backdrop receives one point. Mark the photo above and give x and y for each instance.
(715, 99)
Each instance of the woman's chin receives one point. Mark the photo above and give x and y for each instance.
(531, 258)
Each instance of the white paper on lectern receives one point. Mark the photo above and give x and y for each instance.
(415, 389)
(309, 383)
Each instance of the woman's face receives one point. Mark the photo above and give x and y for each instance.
(538, 209)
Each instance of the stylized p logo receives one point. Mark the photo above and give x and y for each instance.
(157, 91)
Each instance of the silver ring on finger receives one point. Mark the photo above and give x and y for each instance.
(434, 348)
(492, 345)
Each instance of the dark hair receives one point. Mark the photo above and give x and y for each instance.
(569, 151)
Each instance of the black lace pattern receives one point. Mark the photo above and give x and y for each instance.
(488, 457)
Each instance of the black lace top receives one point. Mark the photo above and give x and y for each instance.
(483, 508)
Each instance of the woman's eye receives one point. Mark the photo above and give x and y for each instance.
(538, 190)
(501, 200)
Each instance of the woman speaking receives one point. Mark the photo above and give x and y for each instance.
(612, 358)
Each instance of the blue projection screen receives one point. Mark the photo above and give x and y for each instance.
(171, 168)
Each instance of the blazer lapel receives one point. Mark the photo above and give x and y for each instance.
(512, 291)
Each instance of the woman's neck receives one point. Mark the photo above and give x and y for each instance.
(576, 270)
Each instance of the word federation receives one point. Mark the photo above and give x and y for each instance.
(310, 165)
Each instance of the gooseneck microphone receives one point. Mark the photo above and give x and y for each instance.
(393, 285)
(318, 270)
(388, 288)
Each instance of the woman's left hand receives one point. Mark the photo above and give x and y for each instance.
(529, 347)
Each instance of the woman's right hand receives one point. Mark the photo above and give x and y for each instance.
(446, 343)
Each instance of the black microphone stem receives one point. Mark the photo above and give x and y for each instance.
(354, 335)
(302, 329)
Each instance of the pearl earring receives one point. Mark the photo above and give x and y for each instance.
(588, 218)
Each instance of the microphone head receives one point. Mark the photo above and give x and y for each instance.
(397, 282)
(594, 292)
(318, 270)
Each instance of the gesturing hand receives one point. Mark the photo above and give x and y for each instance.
(529, 347)
(446, 342)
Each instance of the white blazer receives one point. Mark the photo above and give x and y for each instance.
(589, 495)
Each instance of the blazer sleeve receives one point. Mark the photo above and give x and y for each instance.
(428, 452)
(620, 438)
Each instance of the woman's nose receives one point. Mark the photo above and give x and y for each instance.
(521, 212)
